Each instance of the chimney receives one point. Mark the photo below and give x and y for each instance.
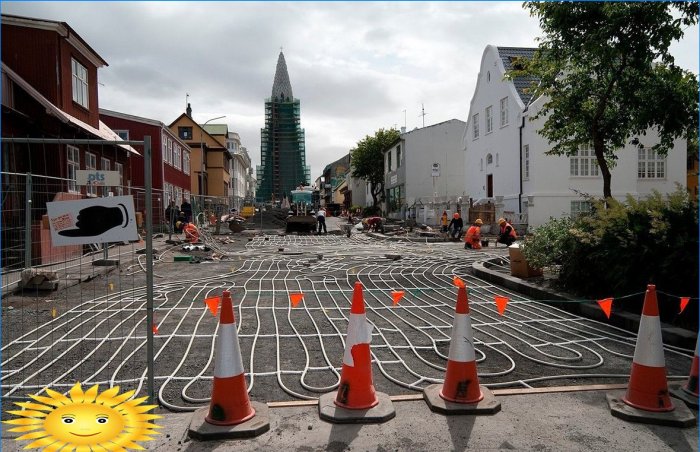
(403, 129)
(189, 110)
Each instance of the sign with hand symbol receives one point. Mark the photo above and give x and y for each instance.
(96, 220)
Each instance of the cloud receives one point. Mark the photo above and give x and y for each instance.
(355, 66)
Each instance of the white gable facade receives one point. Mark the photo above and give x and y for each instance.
(506, 161)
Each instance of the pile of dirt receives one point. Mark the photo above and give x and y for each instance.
(269, 218)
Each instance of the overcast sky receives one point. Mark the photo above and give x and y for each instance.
(355, 66)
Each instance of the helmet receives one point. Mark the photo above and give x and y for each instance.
(501, 221)
(456, 215)
(478, 221)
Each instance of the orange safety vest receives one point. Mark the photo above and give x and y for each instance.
(192, 233)
(473, 237)
(512, 230)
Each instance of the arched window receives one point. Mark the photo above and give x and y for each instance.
(489, 159)
(488, 76)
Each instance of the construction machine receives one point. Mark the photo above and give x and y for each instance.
(302, 210)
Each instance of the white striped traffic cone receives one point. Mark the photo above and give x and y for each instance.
(461, 393)
(461, 380)
(229, 399)
(689, 391)
(648, 387)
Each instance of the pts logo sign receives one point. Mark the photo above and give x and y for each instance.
(97, 178)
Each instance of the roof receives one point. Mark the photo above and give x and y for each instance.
(215, 129)
(102, 132)
(63, 29)
(508, 55)
(139, 119)
(282, 87)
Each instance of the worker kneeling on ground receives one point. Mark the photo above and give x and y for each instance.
(473, 238)
(507, 234)
(191, 233)
(373, 224)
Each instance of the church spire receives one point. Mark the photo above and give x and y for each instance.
(282, 87)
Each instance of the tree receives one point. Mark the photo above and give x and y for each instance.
(367, 159)
(608, 76)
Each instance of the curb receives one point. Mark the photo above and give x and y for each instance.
(671, 335)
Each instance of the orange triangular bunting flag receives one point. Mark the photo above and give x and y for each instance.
(458, 281)
(295, 298)
(684, 303)
(397, 295)
(213, 304)
(606, 306)
(501, 303)
(155, 328)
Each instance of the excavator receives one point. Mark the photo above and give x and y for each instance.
(302, 210)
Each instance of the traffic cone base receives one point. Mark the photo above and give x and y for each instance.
(689, 391)
(330, 411)
(681, 393)
(203, 430)
(487, 404)
(681, 416)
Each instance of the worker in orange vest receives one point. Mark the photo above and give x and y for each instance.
(507, 234)
(473, 238)
(191, 233)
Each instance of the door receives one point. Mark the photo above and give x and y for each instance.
(489, 186)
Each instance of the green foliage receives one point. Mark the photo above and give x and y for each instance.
(371, 211)
(546, 247)
(621, 248)
(368, 160)
(607, 74)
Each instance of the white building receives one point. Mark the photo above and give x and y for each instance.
(240, 170)
(424, 172)
(505, 157)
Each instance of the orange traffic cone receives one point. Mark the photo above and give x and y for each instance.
(229, 399)
(689, 391)
(648, 388)
(356, 400)
(356, 389)
(647, 398)
(461, 381)
(461, 393)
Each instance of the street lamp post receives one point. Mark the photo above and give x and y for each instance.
(201, 167)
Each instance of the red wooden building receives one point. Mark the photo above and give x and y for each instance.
(170, 160)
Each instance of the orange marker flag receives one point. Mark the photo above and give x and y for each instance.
(155, 328)
(213, 304)
(606, 306)
(458, 281)
(397, 295)
(501, 303)
(295, 298)
(684, 303)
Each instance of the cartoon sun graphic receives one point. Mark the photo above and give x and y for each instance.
(85, 421)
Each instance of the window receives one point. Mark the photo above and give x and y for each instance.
(475, 126)
(185, 133)
(488, 76)
(489, 119)
(105, 166)
(91, 164)
(526, 161)
(394, 199)
(504, 112)
(584, 162)
(398, 156)
(186, 162)
(489, 159)
(186, 195)
(164, 141)
(650, 164)
(171, 160)
(177, 156)
(579, 208)
(496, 158)
(120, 169)
(123, 134)
(388, 161)
(80, 83)
(481, 165)
(73, 155)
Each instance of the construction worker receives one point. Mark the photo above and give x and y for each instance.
(507, 234)
(191, 233)
(443, 221)
(473, 238)
(456, 226)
